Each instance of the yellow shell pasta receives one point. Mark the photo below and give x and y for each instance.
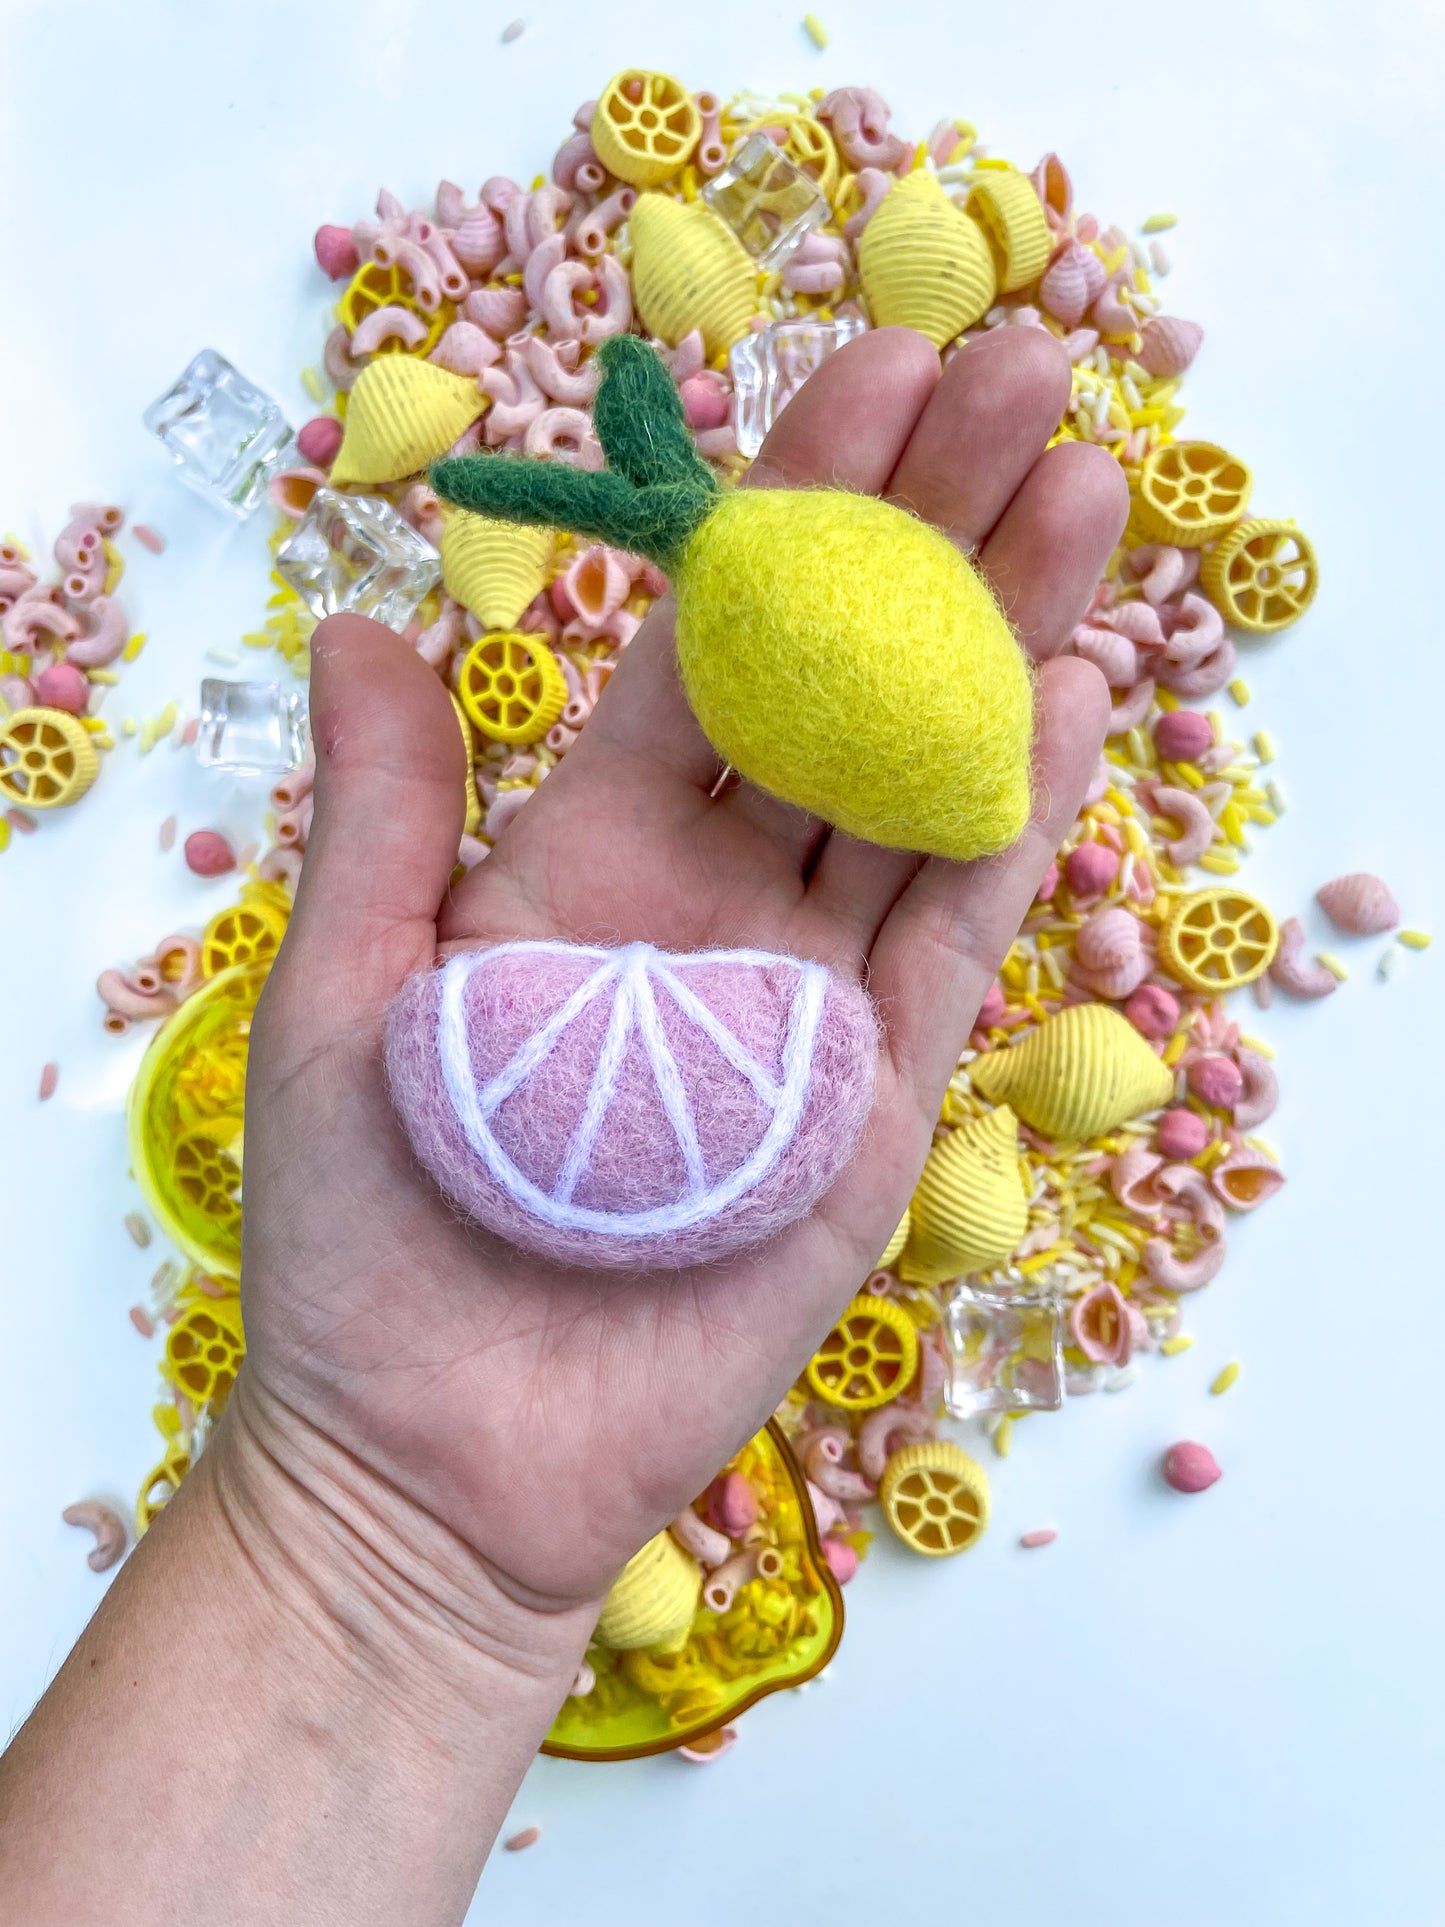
(970, 1208)
(493, 568)
(1082, 1072)
(652, 1600)
(689, 271)
(401, 415)
(1010, 213)
(923, 263)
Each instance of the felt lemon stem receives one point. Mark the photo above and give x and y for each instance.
(656, 492)
(837, 651)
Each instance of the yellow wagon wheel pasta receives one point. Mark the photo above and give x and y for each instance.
(512, 687)
(46, 759)
(1190, 492)
(1261, 576)
(869, 1356)
(935, 1497)
(1218, 939)
(645, 127)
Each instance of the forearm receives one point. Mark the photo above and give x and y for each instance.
(300, 1702)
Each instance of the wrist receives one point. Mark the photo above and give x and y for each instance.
(354, 1565)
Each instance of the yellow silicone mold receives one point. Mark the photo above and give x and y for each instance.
(184, 1118)
(777, 1633)
(1261, 575)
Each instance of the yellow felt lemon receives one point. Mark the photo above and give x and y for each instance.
(838, 652)
(846, 657)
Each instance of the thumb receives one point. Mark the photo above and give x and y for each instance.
(390, 800)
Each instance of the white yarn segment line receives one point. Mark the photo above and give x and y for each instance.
(631, 971)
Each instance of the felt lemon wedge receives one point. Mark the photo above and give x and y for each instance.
(837, 651)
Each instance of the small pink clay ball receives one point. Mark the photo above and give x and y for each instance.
(991, 1009)
(1181, 1134)
(841, 1559)
(1182, 734)
(1216, 1080)
(703, 402)
(1091, 868)
(732, 1504)
(336, 252)
(209, 854)
(62, 686)
(1189, 1467)
(319, 440)
(1153, 1011)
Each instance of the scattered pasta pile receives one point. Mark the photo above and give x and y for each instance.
(1103, 1128)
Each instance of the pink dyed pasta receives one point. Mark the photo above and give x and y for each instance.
(108, 635)
(859, 119)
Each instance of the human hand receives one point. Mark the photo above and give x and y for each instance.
(551, 1419)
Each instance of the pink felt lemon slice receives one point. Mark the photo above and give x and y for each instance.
(630, 1106)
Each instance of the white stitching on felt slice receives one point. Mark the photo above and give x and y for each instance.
(630, 970)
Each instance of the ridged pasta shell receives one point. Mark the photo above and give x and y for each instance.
(402, 414)
(493, 568)
(923, 263)
(970, 1208)
(894, 1247)
(690, 271)
(1082, 1072)
(1010, 213)
(652, 1600)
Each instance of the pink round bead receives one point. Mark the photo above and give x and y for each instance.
(1182, 734)
(1216, 1080)
(319, 440)
(1091, 868)
(703, 403)
(62, 686)
(1181, 1134)
(1189, 1467)
(336, 252)
(733, 1504)
(209, 854)
(1153, 1011)
(841, 1559)
(991, 1009)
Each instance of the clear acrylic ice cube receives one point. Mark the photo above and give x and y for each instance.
(767, 200)
(226, 435)
(261, 727)
(1004, 1351)
(769, 367)
(354, 553)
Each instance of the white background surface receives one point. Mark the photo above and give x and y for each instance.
(1185, 1712)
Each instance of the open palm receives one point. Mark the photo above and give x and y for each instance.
(555, 1418)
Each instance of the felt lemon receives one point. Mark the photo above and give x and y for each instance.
(838, 652)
